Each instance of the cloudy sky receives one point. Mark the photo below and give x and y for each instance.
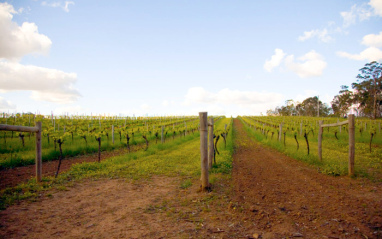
(181, 56)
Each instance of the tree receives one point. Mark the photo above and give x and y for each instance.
(342, 102)
(310, 107)
(368, 89)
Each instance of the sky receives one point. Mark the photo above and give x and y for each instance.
(181, 57)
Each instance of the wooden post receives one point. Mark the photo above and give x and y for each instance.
(112, 133)
(162, 135)
(204, 150)
(210, 142)
(280, 131)
(339, 127)
(38, 152)
(351, 144)
(320, 129)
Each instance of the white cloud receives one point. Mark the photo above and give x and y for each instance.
(229, 102)
(311, 93)
(370, 54)
(200, 95)
(350, 17)
(230, 97)
(275, 60)
(145, 107)
(377, 6)
(373, 40)
(307, 93)
(165, 103)
(322, 35)
(64, 6)
(362, 12)
(310, 65)
(46, 84)
(72, 110)
(6, 105)
(356, 12)
(17, 41)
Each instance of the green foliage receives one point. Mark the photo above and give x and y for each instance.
(368, 162)
(179, 157)
(80, 136)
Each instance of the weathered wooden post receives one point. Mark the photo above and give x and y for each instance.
(204, 150)
(351, 144)
(162, 135)
(112, 133)
(280, 131)
(339, 127)
(38, 152)
(210, 142)
(320, 130)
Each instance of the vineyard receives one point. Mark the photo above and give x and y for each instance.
(83, 135)
(299, 135)
(144, 178)
(65, 137)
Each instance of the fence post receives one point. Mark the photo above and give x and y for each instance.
(38, 152)
(204, 150)
(320, 140)
(210, 142)
(112, 133)
(339, 127)
(280, 131)
(351, 144)
(162, 136)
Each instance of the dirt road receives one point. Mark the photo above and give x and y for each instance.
(288, 198)
(268, 196)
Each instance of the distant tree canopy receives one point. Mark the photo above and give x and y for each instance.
(342, 102)
(365, 97)
(311, 106)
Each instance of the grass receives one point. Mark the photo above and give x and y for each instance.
(14, 155)
(175, 158)
(334, 153)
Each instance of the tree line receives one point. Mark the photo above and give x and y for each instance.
(365, 98)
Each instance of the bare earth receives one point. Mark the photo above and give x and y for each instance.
(12, 177)
(268, 196)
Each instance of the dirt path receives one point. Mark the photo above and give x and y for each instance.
(12, 177)
(287, 198)
(268, 196)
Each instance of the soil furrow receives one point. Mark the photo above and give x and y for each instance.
(290, 198)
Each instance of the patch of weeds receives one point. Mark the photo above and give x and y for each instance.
(62, 188)
(186, 184)
(150, 209)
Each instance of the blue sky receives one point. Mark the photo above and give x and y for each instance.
(180, 57)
